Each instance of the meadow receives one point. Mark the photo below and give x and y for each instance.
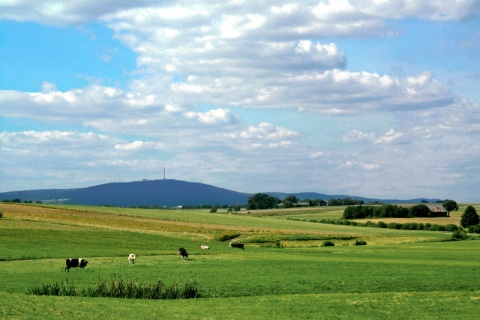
(285, 271)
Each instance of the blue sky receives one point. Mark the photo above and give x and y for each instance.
(33, 53)
(368, 98)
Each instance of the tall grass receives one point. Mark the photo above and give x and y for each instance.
(120, 288)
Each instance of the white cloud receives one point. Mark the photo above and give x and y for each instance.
(197, 61)
(390, 137)
(137, 145)
(357, 136)
(223, 116)
(58, 12)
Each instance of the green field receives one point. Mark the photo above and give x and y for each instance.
(284, 272)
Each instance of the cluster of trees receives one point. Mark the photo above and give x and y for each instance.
(265, 201)
(262, 201)
(389, 211)
(344, 202)
(392, 225)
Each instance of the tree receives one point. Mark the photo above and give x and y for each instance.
(262, 201)
(289, 201)
(450, 205)
(469, 217)
(420, 210)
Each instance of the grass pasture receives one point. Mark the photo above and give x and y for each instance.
(284, 272)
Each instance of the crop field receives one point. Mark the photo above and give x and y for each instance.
(285, 271)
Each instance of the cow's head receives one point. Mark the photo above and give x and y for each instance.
(83, 263)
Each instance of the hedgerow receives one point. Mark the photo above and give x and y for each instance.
(389, 211)
(394, 225)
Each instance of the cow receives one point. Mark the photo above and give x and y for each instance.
(74, 263)
(204, 247)
(237, 245)
(131, 259)
(183, 253)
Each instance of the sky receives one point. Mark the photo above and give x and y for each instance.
(370, 98)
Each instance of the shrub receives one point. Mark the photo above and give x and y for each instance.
(394, 225)
(227, 237)
(328, 243)
(451, 227)
(459, 235)
(360, 242)
(474, 229)
(1, 215)
(381, 224)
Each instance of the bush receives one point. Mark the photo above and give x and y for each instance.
(474, 229)
(360, 243)
(370, 224)
(1, 215)
(227, 237)
(328, 243)
(459, 235)
(381, 224)
(394, 225)
(451, 227)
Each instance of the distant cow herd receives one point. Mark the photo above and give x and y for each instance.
(82, 263)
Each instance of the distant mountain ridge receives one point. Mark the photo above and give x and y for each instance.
(326, 197)
(166, 192)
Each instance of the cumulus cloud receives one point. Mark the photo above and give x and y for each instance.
(215, 116)
(204, 68)
(137, 145)
(391, 136)
(57, 12)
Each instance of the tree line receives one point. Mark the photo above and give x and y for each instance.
(390, 211)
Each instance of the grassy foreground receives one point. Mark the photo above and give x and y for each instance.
(284, 272)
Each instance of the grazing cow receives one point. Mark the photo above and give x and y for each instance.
(74, 263)
(183, 253)
(131, 259)
(237, 245)
(203, 247)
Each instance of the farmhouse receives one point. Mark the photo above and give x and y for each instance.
(437, 211)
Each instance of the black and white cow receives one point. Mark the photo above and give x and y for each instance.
(74, 263)
(131, 259)
(237, 245)
(183, 253)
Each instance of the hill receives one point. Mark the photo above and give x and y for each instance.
(170, 193)
(166, 192)
(326, 197)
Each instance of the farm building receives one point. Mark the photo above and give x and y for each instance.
(437, 211)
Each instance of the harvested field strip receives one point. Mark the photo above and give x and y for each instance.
(216, 224)
(129, 223)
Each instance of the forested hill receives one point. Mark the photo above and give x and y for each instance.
(166, 192)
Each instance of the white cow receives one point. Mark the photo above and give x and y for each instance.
(131, 259)
(203, 247)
